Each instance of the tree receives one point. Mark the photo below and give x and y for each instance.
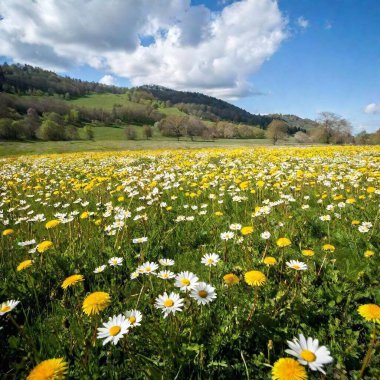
(337, 130)
(194, 127)
(89, 132)
(173, 126)
(130, 133)
(277, 130)
(148, 132)
(302, 138)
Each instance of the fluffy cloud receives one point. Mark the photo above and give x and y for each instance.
(303, 22)
(108, 79)
(372, 108)
(191, 47)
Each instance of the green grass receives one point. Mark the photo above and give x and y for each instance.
(105, 101)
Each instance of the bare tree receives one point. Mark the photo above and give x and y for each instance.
(148, 132)
(336, 129)
(277, 130)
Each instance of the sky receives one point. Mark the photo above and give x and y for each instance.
(297, 57)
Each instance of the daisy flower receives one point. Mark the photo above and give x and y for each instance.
(235, 227)
(227, 235)
(134, 317)
(113, 330)
(288, 369)
(115, 261)
(210, 259)
(309, 353)
(140, 240)
(166, 262)
(169, 303)
(49, 369)
(185, 280)
(297, 265)
(8, 306)
(203, 293)
(165, 274)
(134, 275)
(100, 269)
(265, 235)
(148, 267)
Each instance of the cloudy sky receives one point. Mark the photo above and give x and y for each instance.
(267, 56)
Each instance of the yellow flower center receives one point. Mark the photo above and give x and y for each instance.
(168, 303)
(5, 308)
(296, 266)
(210, 261)
(308, 356)
(132, 319)
(185, 282)
(114, 330)
(148, 269)
(202, 293)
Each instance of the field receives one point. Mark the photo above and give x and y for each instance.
(191, 263)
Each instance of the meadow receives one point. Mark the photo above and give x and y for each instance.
(253, 263)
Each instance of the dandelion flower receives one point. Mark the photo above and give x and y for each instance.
(269, 260)
(8, 306)
(96, 302)
(308, 252)
(297, 265)
(113, 330)
(185, 280)
(52, 223)
(328, 247)
(288, 369)
(24, 264)
(368, 253)
(134, 317)
(210, 259)
(49, 370)
(231, 279)
(283, 242)
(203, 293)
(255, 278)
(8, 231)
(246, 230)
(309, 353)
(44, 246)
(169, 303)
(370, 312)
(72, 280)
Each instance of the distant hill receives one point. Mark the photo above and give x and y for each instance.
(296, 121)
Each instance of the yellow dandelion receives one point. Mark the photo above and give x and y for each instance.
(218, 213)
(8, 231)
(96, 302)
(368, 253)
(328, 247)
(255, 278)
(44, 246)
(246, 230)
(308, 252)
(51, 369)
(269, 260)
(371, 189)
(231, 279)
(24, 264)
(84, 215)
(355, 222)
(288, 369)
(52, 223)
(370, 312)
(283, 242)
(72, 280)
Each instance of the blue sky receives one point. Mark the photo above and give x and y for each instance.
(290, 56)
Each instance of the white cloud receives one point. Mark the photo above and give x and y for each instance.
(193, 48)
(303, 22)
(328, 25)
(108, 79)
(372, 108)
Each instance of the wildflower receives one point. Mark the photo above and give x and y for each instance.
(246, 230)
(235, 227)
(96, 302)
(165, 274)
(255, 278)
(325, 218)
(166, 262)
(52, 223)
(44, 246)
(328, 247)
(48, 370)
(227, 235)
(185, 280)
(8, 306)
(269, 260)
(265, 235)
(309, 353)
(140, 240)
(148, 267)
(308, 252)
(134, 317)
(370, 312)
(297, 265)
(368, 253)
(203, 293)
(8, 231)
(84, 215)
(72, 280)
(288, 369)
(115, 261)
(283, 242)
(218, 213)
(100, 269)
(134, 275)
(231, 279)
(24, 264)
(113, 330)
(210, 259)
(169, 303)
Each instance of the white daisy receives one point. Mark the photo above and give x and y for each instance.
(100, 269)
(210, 259)
(203, 293)
(165, 274)
(235, 227)
(134, 275)
(166, 262)
(265, 235)
(185, 280)
(134, 317)
(309, 353)
(148, 267)
(227, 235)
(113, 330)
(297, 265)
(169, 303)
(140, 240)
(115, 261)
(8, 306)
